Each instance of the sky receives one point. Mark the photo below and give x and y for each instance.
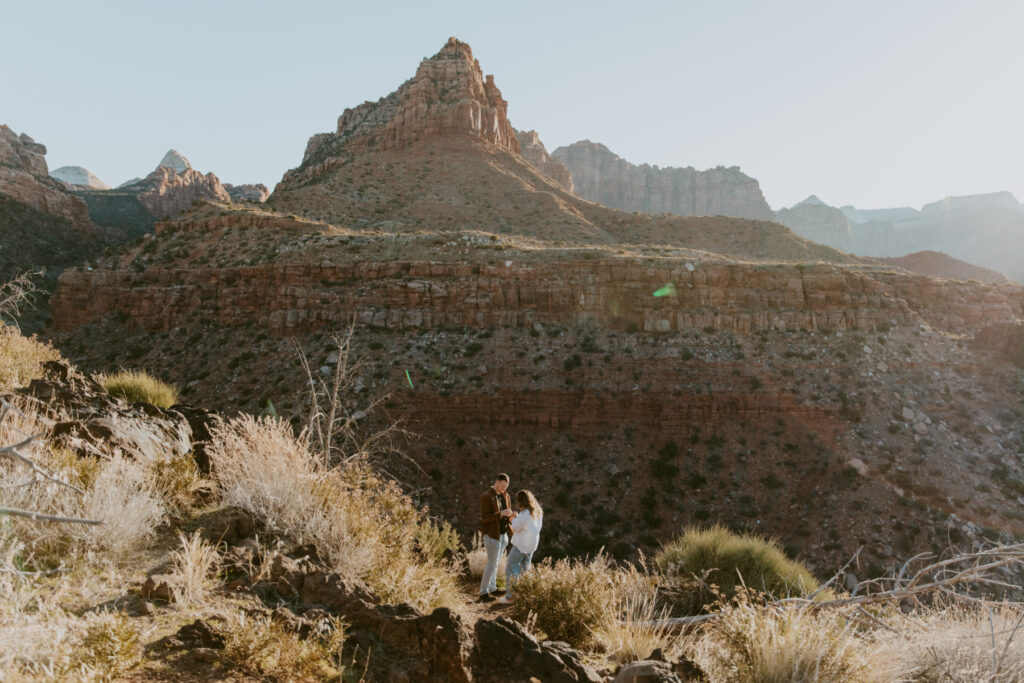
(875, 104)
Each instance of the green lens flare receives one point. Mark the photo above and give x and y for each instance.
(668, 290)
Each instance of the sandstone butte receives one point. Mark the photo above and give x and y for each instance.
(525, 315)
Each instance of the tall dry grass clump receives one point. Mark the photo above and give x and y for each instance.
(361, 524)
(21, 358)
(958, 644)
(701, 564)
(138, 386)
(193, 562)
(751, 643)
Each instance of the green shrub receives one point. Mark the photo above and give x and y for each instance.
(567, 598)
(700, 561)
(138, 386)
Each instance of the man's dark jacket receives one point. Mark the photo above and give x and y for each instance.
(491, 523)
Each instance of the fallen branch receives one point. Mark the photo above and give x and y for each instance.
(40, 517)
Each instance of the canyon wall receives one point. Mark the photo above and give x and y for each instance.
(601, 176)
(290, 298)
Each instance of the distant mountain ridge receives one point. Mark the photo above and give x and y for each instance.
(983, 229)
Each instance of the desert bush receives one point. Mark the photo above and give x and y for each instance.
(138, 386)
(700, 561)
(956, 644)
(361, 524)
(259, 646)
(108, 647)
(21, 358)
(437, 540)
(751, 643)
(566, 599)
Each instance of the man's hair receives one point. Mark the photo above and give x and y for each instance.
(501, 477)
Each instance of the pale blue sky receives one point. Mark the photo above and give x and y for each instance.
(872, 103)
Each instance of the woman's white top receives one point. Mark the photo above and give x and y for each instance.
(526, 532)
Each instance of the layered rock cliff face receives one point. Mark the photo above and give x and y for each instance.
(937, 264)
(248, 192)
(448, 96)
(601, 176)
(986, 230)
(167, 192)
(534, 152)
(24, 179)
(617, 293)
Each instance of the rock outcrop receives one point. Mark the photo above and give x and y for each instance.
(78, 177)
(448, 96)
(601, 176)
(167, 191)
(176, 160)
(247, 193)
(534, 152)
(24, 179)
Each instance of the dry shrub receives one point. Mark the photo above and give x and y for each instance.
(138, 386)
(361, 524)
(567, 599)
(192, 562)
(957, 644)
(108, 647)
(751, 643)
(701, 564)
(117, 491)
(259, 646)
(21, 358)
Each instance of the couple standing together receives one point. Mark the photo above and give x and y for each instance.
(498, 523)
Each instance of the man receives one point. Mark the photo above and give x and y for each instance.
(495, 511)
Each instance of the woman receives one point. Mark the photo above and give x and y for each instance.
(525, 536)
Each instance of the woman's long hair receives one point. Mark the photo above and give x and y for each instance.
(526, 501)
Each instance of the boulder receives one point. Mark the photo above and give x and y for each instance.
(505, 651)
(648, 671)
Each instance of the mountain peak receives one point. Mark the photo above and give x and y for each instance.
(176, 160)
(448, 97)
(810, 201)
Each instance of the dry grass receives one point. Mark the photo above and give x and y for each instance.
(259, 646)
(192, 561)
(361, 524)
(957, 644)
(750, 643)
(21, 358)
(138, 386)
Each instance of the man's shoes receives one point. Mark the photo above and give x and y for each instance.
(495, 593)
(487, 597)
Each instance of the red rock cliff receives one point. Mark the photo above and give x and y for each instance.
(449, 95)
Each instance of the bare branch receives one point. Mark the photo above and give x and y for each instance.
(39, 517)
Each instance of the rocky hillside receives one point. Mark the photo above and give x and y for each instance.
(937, 264)
(987, 230)
(601, 176)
